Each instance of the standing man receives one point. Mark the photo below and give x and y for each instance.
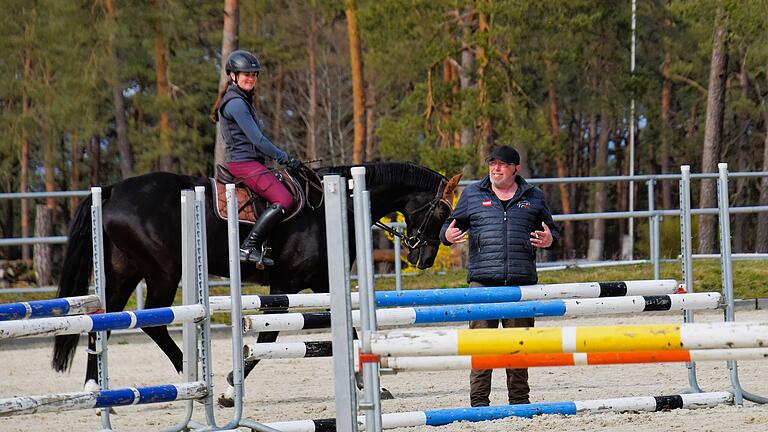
(506, 219)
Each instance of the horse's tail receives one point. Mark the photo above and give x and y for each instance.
(75, 275)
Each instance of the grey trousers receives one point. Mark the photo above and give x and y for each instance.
(517, 379)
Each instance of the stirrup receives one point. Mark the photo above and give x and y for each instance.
(260, 259)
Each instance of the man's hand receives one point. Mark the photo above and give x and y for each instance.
(454, 235)
(542, 239)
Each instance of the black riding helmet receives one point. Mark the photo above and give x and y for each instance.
(242, 61)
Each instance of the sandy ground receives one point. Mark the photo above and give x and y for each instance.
(302, 389)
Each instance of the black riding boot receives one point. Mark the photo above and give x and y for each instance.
(251, 250)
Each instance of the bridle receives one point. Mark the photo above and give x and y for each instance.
(311, 179)
(419, 239)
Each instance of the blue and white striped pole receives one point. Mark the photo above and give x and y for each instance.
(485, 311)
(50, 308)
(101, 322)
(427, 297)
(446, 416)
(101, 398)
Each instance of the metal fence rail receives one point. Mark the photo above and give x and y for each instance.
(653, 215)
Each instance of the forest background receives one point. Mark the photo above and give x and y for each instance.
(92, 91)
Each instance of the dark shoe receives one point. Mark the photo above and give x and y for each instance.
(520, 402)
(253, 249)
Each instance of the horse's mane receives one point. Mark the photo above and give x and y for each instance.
(401, 173)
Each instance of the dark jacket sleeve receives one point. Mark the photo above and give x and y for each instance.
(238, 110)
(459, 215)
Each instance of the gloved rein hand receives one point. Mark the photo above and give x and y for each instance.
(293, 163)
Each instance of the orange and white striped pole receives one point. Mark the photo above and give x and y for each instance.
(518, 361)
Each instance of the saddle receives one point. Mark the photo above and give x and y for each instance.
(250, 204)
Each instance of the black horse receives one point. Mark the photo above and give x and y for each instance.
(142, 240)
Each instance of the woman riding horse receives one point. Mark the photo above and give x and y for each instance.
(247, 150)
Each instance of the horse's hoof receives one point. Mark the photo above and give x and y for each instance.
(227, 399)
(386, 394)
(225, 402)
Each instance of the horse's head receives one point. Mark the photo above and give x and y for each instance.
(425, 214)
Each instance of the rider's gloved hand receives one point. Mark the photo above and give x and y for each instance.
(293, 163)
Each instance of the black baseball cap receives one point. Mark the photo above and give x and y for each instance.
(505, 154)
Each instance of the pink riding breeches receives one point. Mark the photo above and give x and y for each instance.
(261, 180)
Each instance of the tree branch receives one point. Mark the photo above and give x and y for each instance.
(689, 81)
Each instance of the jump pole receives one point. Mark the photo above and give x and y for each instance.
(516, 361)
(443, 296)
(101, 322)
(50, 308)
(535, 340)
(446, 416)
(101, 398)
(317, 349)
(483, 311)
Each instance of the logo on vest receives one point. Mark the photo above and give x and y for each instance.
(524, 204)
(487, 203)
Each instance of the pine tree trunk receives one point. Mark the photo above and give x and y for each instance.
(358, 88)
(666, 121)
(485, 140)
(277, 124)
(693, 120)
(761, 239)
(24, 162)
(312, 109)
(95, 160)
(48, 145)
(713, 131)
(554, 123)
(7, 216)
(622, 193)
(465, 80)
(370, 119)
(597, 242)
(743, 122)
(42, 251)
(163, 90)
(74, 175)
(449, 77)
(230, 41)
(118, 103)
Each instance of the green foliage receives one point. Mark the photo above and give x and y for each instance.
(447, 160)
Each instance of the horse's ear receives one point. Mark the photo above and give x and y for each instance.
(451, 186)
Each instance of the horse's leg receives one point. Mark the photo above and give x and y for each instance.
(116, 301)
(227, 399)
(120, 280)
(161, 290)
(384, 393)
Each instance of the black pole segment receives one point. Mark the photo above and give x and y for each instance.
(613, 289)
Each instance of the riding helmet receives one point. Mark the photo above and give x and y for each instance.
(242, 61)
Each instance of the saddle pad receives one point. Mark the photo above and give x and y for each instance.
(246, 213)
